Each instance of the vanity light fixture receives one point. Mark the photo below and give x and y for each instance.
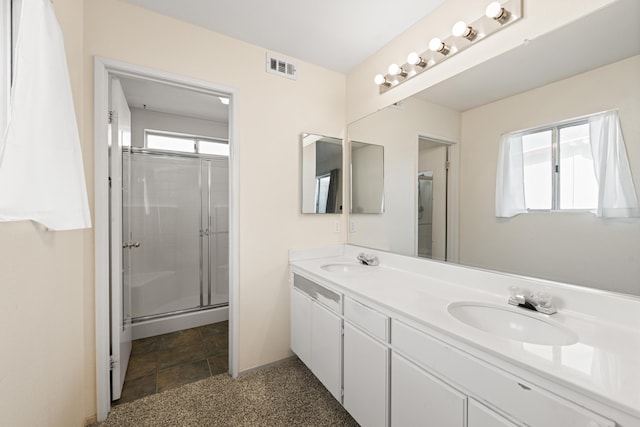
(498, 15)
(437, 45)
(497, 12)
(396, 70)
(414, 59)
(461, 29)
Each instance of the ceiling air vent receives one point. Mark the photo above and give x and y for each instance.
(281, 67)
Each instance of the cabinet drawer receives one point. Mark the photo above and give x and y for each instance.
(319, 293)
(375, 323)
(519, 399)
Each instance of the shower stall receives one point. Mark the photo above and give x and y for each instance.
(425, 215)
(175, 240)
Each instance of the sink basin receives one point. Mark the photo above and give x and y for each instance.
(346, 268)
(512, 323)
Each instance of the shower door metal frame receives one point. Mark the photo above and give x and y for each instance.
(203, 232)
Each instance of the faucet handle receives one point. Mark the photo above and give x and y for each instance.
(516, 296)
(544, 299)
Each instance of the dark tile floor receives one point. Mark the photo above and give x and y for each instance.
(171, 360)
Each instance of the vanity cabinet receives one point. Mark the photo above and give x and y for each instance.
(316, 331)
(366, 364)
(420, 399)
(479, 415)
(525, 402)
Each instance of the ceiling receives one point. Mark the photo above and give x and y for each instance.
(334, 34)
(164, 98)
(606, 36)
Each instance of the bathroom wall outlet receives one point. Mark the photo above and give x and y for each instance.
(336, 227)
(352, 226)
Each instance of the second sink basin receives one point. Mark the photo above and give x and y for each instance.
(511, 324)
(346, 268)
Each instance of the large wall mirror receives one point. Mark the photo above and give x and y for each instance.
(367, 178)
(449, 135)
(322, 177)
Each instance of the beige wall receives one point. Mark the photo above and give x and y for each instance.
(540, 17)
(153, 120)
(47, 308)
(571, 247)
(272, 112)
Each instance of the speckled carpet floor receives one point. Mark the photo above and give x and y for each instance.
(283, 395)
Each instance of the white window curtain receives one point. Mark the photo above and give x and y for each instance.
(616, 193)
(41, 170)
(510, 177)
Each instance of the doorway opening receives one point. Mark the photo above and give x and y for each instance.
(433, 199)
(166, 230)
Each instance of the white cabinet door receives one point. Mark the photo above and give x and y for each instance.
(366, 378)
(326, 348)
(301, 326)
(479, 415)
(419, 399)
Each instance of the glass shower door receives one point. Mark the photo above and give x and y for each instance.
(165, 218)
(217, 210)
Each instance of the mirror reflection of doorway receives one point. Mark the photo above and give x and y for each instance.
(425, 214)
(432, 199)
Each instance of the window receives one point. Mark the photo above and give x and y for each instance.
(579, 164)
(558, 166)
(186, 143)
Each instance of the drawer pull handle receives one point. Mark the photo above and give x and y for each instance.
(524, 386)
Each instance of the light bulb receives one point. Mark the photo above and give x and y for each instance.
(396, 70)
(438, 45)
(379, 79)
(497, 12)
(494, 10)
(460, 29)
(414, 59)
(435, 44)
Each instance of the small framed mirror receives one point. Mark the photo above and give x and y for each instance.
(322, 175)
(367, 178)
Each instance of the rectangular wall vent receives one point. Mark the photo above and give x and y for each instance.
(281, 67)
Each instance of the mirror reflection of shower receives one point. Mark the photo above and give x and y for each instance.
(432, 199)
(425, 214)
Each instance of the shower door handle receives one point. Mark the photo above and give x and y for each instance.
(130, 245)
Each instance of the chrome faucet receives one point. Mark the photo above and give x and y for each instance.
(368, 259)
(540, 302)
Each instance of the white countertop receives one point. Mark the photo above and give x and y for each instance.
(604, 364)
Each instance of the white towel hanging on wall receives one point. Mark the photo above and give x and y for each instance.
(41, 170)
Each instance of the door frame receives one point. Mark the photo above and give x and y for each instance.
(453, 194)
(104, 68)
